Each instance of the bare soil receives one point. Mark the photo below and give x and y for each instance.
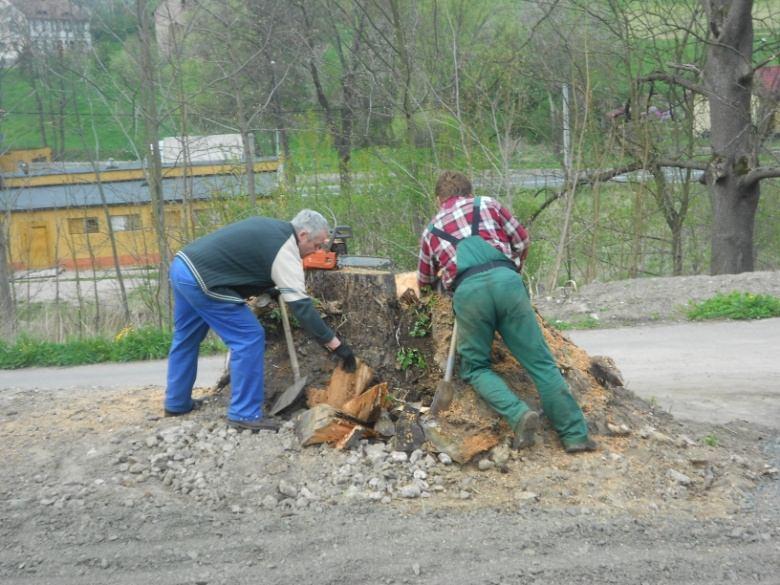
(97, 487)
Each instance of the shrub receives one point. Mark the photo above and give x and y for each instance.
(735, 305)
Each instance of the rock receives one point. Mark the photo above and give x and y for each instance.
(269, 502)
(620, 430)
(398, 456)
(287, 489)
(678, 477)
(419, 474)
(385, 425)
(416, 455)
(376, 452)
(445, 459)
(485, 464)
(524, 497)
(151, 441)
(409, 434)
(603, 368)
(464, 495)
(416, 569)
(500, 455)
(410, 491)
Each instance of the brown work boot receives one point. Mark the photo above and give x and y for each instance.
(581, 447)
(261, 424)
(525, 430)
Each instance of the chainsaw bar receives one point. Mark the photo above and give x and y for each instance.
(363, 262)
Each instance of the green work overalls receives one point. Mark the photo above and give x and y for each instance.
(491, 296)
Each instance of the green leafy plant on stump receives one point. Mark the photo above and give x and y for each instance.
(408, 357)
(735, 305)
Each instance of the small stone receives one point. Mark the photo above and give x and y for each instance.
(410, 491)
(445, 459)
(399, 456)
(151, 441)
(269, 502)
(678, 477)
(416, 455)
(464, 495)
(376, 452)
(485, 464)
(419, 474)
(620, 430)
(501, 455)
(287, 489)
(524, 496)
(416, 569)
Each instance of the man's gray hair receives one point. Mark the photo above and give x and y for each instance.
(310, 221)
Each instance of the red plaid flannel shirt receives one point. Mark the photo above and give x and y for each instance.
(497, 226)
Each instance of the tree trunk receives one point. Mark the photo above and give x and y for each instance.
(367, 307)
(728, 76)
(154, 168)
(7, 305)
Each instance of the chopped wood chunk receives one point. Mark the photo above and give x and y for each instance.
(343, 386)
(367, 407)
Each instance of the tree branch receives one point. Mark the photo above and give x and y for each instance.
(675, 80)
(599, 177)
(760, 173)
(684, 164)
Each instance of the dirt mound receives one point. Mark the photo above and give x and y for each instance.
(646, 300)
(88, 451)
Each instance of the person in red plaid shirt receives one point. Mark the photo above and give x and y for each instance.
(476, 247)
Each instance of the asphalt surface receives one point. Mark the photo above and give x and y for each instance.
(708, 372)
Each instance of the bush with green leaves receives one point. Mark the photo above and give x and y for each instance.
(735, 305)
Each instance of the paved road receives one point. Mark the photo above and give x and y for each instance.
(709, 372)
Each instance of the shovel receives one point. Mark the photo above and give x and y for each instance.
(293, 391)
(445, 388)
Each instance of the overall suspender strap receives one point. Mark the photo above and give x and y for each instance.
(475, 217)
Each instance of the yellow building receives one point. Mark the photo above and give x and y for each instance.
(62, 214)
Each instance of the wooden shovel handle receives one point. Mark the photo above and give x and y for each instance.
(288, 337)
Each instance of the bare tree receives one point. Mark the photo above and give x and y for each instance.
(149, 95)
(733, 174)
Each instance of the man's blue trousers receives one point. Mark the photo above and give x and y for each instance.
(193, 314)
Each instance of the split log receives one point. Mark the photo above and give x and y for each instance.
(367, 407)
(325, 424)
(342, 388)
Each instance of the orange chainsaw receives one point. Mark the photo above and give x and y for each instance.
(333, 254)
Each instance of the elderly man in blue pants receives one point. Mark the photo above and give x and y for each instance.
(211, 278)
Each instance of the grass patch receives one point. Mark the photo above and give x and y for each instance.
(128, 345)
(586, 323)
(735, 305)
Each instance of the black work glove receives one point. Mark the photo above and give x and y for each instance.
(348, 361)
(273, 292)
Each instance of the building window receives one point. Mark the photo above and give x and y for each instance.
(126, 223)
(83, 225)
(173, 219)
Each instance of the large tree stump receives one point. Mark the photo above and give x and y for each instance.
(364, 310)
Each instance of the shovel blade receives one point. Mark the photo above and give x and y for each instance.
(289, 396)
(442, 399)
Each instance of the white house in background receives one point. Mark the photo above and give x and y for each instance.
(212, 148)
(42, 25)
